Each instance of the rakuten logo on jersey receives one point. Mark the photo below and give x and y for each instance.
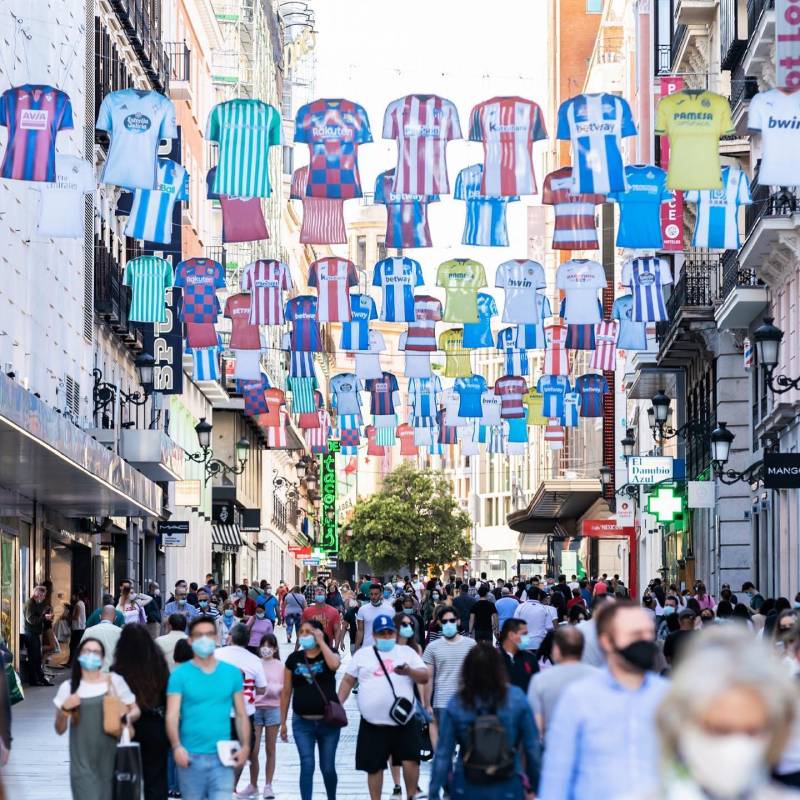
(199, 280)
(332, 132)
(137, 123)
(31, 119)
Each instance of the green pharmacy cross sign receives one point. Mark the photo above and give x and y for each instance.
(665, 504)
(329, 531)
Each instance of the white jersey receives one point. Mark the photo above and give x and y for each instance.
(580, 279)
(520, 277)
(491, 406)
(418, 363)
(368, 364)
(452, 404)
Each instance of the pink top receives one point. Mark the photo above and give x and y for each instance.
(706, 601)
(273, 672)
(258, 628)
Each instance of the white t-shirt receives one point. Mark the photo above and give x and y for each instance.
(491, 405)
(452, 403)
(468, 439)
(374, 693)
(580, 279)
(418, 363)
(247, 365)
(772, 114)
(88, 689)
(61, 207)
(520, 277)
(252, 673)
(367, 614)
(368, 364)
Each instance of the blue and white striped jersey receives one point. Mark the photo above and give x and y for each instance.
(398, 277)
(572, 407)
(717, 224)
(424, 396)
(205, 362)
(355, 333)
(553, 389)
(485, 223)
(531, 337)
(301, 362)
(595, 124)
(516, 358)
(645, 276)
(151, 212)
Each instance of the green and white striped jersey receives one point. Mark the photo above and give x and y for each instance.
(148, 277)
(244, 130)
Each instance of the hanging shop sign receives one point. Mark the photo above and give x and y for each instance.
(666, 505)
(646, 470)
(173, 532)
(700, 494)
(188, 493)
(174, 540)
(787, 44)
(329, 530)
(164, 340)
(672, 211)
(626, 512)
(782, 470)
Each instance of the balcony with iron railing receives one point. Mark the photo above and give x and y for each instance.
(111, 296)
(743, 89)
(180, 64)
(679, 36)
(140, 19)
(732, 32)
(770, 220)
(760, 36)
(742, 294)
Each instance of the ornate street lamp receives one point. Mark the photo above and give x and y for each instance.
(768, 339)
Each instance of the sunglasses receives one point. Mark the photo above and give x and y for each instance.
(448, 619)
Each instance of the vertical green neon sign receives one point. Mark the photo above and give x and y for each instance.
(329, 530)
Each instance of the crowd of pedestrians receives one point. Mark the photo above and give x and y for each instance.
(534, 688)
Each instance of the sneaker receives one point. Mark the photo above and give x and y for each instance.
(397, 791)
(248, 791)
(268, 793)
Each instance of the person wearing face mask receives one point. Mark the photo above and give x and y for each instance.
(429, 604)
(378, 605)
(79, 704)
(724, 722)
(349, 624)
(181, 606)
(201, 694)
(537, 617)
(254, 685)
(152, 610)
(132, 604)
(309, 681)
(259, 625)
(325, 614)
(409, 608)
(204, 605)
(669, 618)
(754, 597)
(444, 659)
(267, 719)
(176, 631)
(269, 602)
(547, 686)
(225, 623)
(385, 672)
(294, 604)
(520, 662)
(707, 618)
(580, 755)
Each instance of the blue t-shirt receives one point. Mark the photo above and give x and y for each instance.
(206, 704)
(640, 207)
(469, 391)
(270, 605)
(479, 334)
(632, 334)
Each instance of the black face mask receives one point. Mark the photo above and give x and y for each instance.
(640, 655)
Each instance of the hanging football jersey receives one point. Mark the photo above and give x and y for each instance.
(554, 434)
(424, 398)
(345, 399)
(461, 278)
(242, 217)
(574, 227)
(422, 329)
(553, 389)
(470, 390)
(323, 218)
(533, 400)
(456, 356)
(717, 222)
(511, 389)
(244, 335)
(266, 280)
(556, 358)
(645, 276)
(515, 356)
(368, 362)
(591, 388)
(632, 334)
(150, 218)
(405, 433)
(572, 407)
(479, 334)
(253, 394)
(580, 337)
(149, 277)
(520, 277)
(406, 214)
(605, 353)
(397, 277)
(640, 207)
(373, 448)
(417, 364)
(303, 394)
(580, 279)
(355, 333)
(333, 278)
(485, 223)
(531, 337)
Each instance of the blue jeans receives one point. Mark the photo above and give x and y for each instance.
(172, 774)
(307, 733)
(206, 778)
(292, 623)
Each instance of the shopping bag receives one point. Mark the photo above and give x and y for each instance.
(128, 769)
(15, 693)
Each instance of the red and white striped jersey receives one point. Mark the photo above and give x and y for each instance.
(422, 125)
(323, 217)
(333, 278)
(556, 358)
(422, 330)
(265, 279)
(507, 126)
(604, 356)
(575, 226)
(511, 388)
(317, 437)
(554, 433)
(277, 438)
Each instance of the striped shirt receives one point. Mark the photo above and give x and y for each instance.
(373, 448)
(456, 358)
(554, 434)
(301, 362)
(301, 311)
(303, 394)
(556, 358)
(595, 124)
(531, 337)
(406, 214)
(318, 435)
(422, 125)
(323, 218)
(266, 280)
(511, 389)
(604, 356)
(151, 212)
(645, 276)
(422, 329)
(717, 224)
(205, 362)
(33, 116)
(516, 359)
(580, 337)
(498, 436)
(397, 277)
(507, 126)
(485, 221)
(572, 407)
(276, 434)
(355, 334)
(384, 392)
(418, 363)
(148, 277)
(553, 389)
(244, 130)
(333, 277)
(592, 388)
(574, 224)
(424, 396)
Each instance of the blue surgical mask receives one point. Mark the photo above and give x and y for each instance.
(204, 646)
(406, 631)
(319, 598)
(385, 645)
(668, 610)
(181, 601)
(91, 662)
(202, 603)
(387, 593)
(797, 603)
(524, 641)
(228, 612)
(449, 629)
(307, 642)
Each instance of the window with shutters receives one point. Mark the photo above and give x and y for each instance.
(72, 397)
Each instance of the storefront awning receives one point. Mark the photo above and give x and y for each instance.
(48, 459)
(228, 537)
(555, 508)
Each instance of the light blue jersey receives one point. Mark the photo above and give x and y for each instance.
(151, 212)
(485, 223)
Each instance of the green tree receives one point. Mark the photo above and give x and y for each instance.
(413, 520)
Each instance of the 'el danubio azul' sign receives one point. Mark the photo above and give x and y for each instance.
(643, 470)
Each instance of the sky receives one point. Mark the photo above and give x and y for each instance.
(374, 51)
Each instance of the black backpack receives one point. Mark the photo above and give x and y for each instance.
(487, 756)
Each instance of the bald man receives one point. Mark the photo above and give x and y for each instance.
(107, 633)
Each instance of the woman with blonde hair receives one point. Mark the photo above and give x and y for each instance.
(725, 720)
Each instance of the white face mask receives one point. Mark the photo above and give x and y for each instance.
(725, 766)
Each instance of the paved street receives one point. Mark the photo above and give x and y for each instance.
(39, 764)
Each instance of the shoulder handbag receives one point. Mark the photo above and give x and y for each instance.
(334, 713)
(113, 712)
(402, 708)
(14, 684)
